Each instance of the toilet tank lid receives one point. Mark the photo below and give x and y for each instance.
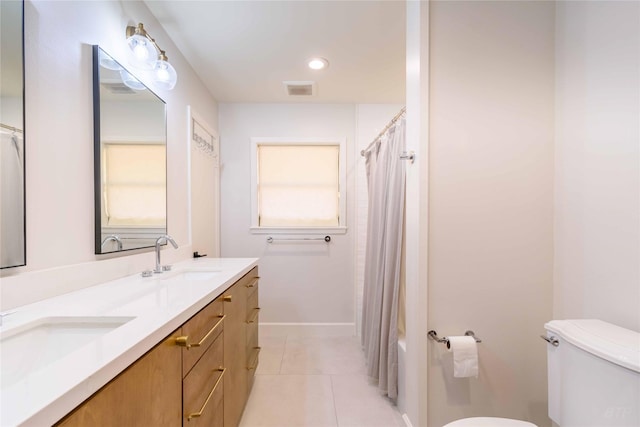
(610, 342)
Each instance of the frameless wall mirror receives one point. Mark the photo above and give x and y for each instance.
(129, 159)
(12, 188)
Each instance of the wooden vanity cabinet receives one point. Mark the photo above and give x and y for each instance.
(147, 393)
(201, 375)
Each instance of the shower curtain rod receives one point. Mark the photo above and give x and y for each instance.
(11, 128)
(386, 128)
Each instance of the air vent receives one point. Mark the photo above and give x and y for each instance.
(300, 88)
(117, 88)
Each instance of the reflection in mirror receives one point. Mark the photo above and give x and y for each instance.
(130, 159)
(12, 194)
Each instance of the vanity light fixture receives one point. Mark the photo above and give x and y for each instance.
(145, 54)
(318, 63)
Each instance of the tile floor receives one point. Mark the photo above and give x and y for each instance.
(315, 382)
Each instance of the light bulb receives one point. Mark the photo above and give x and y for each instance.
(142, 53)
(164, 74)
(318, 63)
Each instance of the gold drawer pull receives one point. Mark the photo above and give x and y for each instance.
(227, 298)
(183, 340)
(253, 283)
(254, 365)
(215, 386)
(254, 315)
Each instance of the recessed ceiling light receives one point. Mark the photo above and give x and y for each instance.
(318, 63)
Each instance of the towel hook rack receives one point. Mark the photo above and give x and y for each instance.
(434, 336)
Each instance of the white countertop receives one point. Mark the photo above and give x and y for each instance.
(158, 306)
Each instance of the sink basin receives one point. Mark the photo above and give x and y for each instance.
(28, 347)
(194, 275)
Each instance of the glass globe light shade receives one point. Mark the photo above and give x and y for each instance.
(108, 62)
(131, 81)
(164, 75)
(142, 53)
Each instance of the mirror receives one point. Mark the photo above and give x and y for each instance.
(129, 159)
(12, 187)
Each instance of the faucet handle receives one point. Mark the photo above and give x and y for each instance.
(166, 268)
(147, 273)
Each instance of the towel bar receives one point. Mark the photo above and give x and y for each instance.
(274, 239)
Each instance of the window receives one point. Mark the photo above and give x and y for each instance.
(133, 184)
(298, 184)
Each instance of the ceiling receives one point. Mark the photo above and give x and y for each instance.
(244, 50)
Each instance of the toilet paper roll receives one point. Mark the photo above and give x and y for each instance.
(465, 356)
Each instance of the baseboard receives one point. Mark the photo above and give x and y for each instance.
(307, 329)
(406, 420)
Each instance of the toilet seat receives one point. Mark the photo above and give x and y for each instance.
(489, 422)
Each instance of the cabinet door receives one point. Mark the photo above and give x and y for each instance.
(148, 393)
(202, 328)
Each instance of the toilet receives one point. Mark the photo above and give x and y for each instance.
(593, 370)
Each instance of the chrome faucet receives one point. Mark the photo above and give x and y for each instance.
(166, 238)
(113, 237)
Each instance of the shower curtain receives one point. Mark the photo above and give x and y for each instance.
(386, 190)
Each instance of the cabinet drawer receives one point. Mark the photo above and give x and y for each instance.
(252, 336)
(199, 333)
(253, 352)
(252, 365)
(252, 284)
(203, 389)
(249, 282)
(253, 307)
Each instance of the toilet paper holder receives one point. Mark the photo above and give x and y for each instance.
(434, 336)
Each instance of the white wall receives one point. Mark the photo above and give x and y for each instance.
(205, 192)
(300, 283)
(597, 170)
(59, 146)
(491, 204)
(417, 215)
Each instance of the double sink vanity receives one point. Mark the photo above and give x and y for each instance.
(167, 348)
(177, 348)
